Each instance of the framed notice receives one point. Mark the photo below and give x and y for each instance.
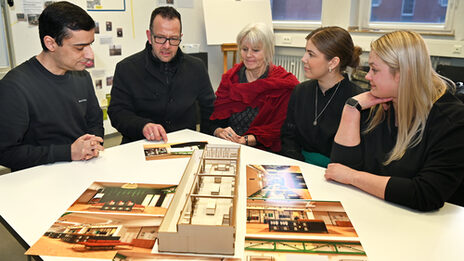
(106, 5)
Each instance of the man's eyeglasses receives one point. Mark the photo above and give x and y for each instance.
(172, 41)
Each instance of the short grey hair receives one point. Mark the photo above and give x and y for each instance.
(258, 34)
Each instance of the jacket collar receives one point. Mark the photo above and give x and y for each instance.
(156, 67)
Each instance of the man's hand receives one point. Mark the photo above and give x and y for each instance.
(156, 132)
(86, 147)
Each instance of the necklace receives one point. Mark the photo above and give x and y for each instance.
(316, 116)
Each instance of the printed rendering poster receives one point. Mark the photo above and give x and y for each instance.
(276, 182)
(171, 150)
(284, 223)
(106, 219)
(292, 254)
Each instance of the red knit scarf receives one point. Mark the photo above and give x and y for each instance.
(270, 95)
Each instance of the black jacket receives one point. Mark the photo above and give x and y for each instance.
(147, 90)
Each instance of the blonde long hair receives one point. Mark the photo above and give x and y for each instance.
(420, 86)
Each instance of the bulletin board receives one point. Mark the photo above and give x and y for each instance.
(225, 18)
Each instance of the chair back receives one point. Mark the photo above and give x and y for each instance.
(456, 74)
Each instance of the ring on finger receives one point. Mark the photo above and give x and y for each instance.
(228, 134)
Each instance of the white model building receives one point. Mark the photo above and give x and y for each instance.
(202, 215)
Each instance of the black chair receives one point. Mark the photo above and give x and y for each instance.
(455, 74)
(204, 57)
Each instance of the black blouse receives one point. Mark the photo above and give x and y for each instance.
(298, 131)
(428, 174)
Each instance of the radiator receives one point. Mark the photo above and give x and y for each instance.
(292, 64)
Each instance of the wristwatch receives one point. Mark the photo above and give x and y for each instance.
(354, 103)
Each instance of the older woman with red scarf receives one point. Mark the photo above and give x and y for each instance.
(252, 98)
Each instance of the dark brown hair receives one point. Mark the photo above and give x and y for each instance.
(166, 12)
(334, 41)
(59, 19)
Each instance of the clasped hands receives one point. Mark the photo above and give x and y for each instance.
(230, 135)
(86, 147)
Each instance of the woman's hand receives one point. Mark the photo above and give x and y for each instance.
(227, 134)
(371, 183)
(367, 100)
(340, 173)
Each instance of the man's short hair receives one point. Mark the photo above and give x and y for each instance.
(58, 18)
(165, 12)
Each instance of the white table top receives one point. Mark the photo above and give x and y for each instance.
(32, 199)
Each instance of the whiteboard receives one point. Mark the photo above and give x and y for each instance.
(225, 18)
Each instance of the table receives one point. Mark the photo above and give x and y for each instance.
(32, 199)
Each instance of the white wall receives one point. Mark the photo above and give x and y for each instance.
(134, 22)
(336, 12)
(341, 13)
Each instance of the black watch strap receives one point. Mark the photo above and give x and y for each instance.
(354, 103)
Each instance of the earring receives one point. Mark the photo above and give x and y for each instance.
(330, 70)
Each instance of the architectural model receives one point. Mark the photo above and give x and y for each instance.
(202, 215)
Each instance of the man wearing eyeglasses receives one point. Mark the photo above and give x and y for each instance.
(155, 91)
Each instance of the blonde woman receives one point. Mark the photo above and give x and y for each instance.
(410, 151)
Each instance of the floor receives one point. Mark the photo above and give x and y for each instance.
(10, 249)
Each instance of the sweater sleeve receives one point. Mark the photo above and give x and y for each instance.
(14, 123)
(122, 108)
(349, 156)
(290, 145)
(437, 180)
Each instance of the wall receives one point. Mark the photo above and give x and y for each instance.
(136, 18)
(343, 13)
(134, 22)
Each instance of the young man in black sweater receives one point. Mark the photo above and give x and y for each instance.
(49, 111)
